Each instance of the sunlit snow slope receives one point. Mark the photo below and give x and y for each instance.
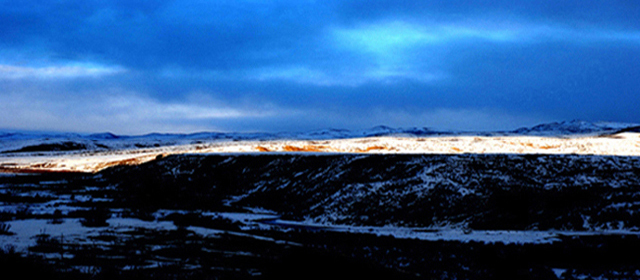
(75, 153)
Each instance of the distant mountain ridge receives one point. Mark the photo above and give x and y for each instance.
(559, 128)
(11, 141)
(574, 127)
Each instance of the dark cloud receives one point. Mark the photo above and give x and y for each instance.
(620, 14)
(188, 34)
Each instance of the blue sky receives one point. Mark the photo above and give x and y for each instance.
(134, 67)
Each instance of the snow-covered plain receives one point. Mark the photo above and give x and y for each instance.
(71, 230)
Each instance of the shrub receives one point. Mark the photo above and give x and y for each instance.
(96, 217)
(4, 229)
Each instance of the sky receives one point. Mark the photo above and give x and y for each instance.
(136, 67)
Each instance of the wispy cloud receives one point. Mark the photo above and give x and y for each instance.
(399, 50)
(124, 112)
(386, 38)
(546, 32)
(396, 38)
(342, 77)
(195, 107)
(56, 72)
(297, 74)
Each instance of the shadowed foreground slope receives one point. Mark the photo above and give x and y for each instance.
(340, 215)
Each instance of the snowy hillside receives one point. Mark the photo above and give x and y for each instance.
(397, 216)
(497, 192)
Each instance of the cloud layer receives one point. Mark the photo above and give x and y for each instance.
(181, 66)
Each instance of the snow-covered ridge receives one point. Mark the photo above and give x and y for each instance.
(15, 141)
(94, 152)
